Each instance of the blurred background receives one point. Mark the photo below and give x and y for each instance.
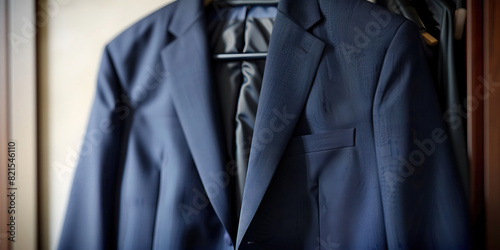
(53, 51)
(70, 49)
(49, 56)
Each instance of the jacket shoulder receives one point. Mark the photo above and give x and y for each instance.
(359, 28)
(141, 42)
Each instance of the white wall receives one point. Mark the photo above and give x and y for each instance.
(70, 46)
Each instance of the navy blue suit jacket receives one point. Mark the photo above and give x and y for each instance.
(349, 149)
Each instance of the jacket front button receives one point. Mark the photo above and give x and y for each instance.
(251, 242)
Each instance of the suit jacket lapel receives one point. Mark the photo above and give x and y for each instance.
(187, 62)
(291, 64)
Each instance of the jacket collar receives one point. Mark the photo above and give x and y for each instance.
(291, 64)
(189, 82)
(292, 61)
(186, 13)
(305, 13)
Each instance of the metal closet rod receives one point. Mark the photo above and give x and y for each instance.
(243, 56)
(240, 56)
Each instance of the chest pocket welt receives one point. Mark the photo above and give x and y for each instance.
(320, 142)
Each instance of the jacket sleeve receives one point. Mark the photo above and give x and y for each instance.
(92, 212)
(423, 202)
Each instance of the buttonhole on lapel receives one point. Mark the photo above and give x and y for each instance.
(302, 49)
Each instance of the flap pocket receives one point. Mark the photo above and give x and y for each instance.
(319, 142)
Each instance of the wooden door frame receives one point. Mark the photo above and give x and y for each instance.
(491, 82)
(483, 85)
(475, 121)
(4, 122)
(18, 108)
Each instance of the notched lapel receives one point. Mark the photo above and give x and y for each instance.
(188, 80)
(292, 61)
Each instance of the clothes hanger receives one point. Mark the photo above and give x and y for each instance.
(242, 2)
(240, 56)
(410, 13)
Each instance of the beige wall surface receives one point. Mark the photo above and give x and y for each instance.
(71, 40)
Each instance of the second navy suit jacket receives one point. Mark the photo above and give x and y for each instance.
(349, 150)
